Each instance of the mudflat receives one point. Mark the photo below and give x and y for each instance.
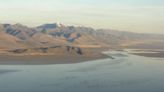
(46, 59)
(57, 58)
(150, 53)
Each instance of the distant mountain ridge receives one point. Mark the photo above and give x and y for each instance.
(49, 35)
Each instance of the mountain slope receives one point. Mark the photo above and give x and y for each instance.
(9, 42)
(51, 35)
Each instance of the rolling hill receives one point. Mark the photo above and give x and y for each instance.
(45, 38)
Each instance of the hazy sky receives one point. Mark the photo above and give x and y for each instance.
(128, 15)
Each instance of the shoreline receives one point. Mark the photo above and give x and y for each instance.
(56, 56)
(47, 59)
(154, 53)
(69, 58)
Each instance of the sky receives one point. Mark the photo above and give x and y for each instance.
(127, 15)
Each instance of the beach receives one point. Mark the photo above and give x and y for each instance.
(155, 53)
(66, 58)
(52, 58)
(46, 59)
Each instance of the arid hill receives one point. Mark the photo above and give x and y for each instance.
(47, 38)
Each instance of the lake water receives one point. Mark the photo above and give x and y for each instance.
(125, 73)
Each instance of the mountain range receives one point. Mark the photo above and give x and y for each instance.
(18, 38)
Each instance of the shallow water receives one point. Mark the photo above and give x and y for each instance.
(122, 74)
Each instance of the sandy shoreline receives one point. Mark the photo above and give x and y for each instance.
(149, 53)
(58, 56)
(69, 58)
(46, 59)
(155, 55)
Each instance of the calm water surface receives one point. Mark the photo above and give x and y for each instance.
(123, 74)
